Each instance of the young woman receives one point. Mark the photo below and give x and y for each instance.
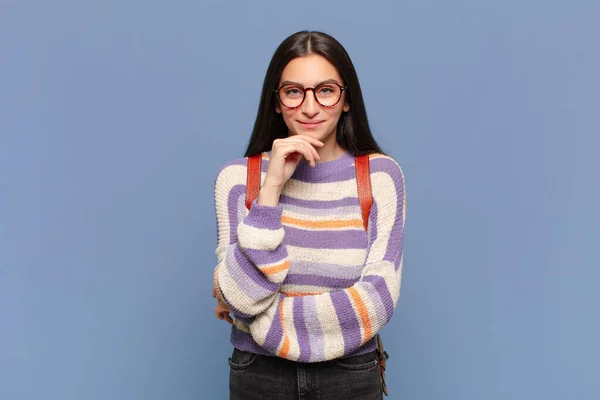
(308, 286)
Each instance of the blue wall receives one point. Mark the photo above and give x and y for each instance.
(115, 116)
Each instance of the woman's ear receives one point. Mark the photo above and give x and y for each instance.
(277, 108)
(346, 107)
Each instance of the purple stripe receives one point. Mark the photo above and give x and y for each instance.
(347, 173)
(326, 269)
(253, 288)
(233, 199)
(346, 201)
(396, 236)
(348, 321)
(315, 334)
(301, 332)
(377, 302)
(369, 346)
(244, 341)
(264, 165)
(373, 224)
(264, 217)
(235, 311)
(397, 261)
(326, 239)
(395, 240)
(252, 272)
(382, 290)
(383, 164)
(248, 320)
(372, 236)
(319, 280)
(275, 333)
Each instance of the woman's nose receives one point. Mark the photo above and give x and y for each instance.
(310, 106)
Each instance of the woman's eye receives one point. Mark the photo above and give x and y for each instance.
(326, 90)
(293, 92)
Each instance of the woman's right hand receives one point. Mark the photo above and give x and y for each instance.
(285, 156)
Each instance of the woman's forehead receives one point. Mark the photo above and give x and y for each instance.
(310, 70)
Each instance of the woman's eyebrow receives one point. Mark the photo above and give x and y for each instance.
(320, 83)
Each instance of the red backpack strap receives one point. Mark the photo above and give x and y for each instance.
(363, 184)
(253, 180)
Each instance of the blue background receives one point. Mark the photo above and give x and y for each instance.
(116, 115)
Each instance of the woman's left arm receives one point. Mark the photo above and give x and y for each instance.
(332, 324)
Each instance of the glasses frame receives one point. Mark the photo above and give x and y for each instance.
(305, 90)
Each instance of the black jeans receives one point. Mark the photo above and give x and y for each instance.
(253, 376)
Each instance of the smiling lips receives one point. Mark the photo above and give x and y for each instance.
(310, 124)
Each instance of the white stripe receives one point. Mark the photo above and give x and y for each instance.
(333, 339)
(262, 323)
(229, 177)
(341, 257)
(286, 287)
(278, 277)
(322, 191)
(250, 237)
(386, 213)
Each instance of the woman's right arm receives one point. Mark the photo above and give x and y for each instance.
(252, 258)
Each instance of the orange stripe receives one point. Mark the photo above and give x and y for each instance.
(276, 268)
(362, 312)
(349, 223)
(285, 347)
(300, 294)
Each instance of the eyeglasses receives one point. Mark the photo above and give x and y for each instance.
(326, 94)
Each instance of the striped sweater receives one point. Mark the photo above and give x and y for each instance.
(303, 279)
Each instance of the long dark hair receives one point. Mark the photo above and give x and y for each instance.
(353, 132)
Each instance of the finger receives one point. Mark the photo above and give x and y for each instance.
(292, 152)
(310, 142)
(224, 315)
(314, 153)
(222, 307)
(303, 148)
(214, 292)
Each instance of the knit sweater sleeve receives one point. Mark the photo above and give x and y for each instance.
(252, 258)
(325, 326)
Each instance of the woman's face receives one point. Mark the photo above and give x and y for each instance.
(311, 118)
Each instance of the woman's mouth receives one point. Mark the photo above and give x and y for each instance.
(310, 124)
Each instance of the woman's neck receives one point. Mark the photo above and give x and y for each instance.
(331, 149)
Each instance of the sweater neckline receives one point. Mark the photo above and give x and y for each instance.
(321, 170)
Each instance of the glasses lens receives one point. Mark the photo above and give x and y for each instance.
(328, 94)
(291, 95)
